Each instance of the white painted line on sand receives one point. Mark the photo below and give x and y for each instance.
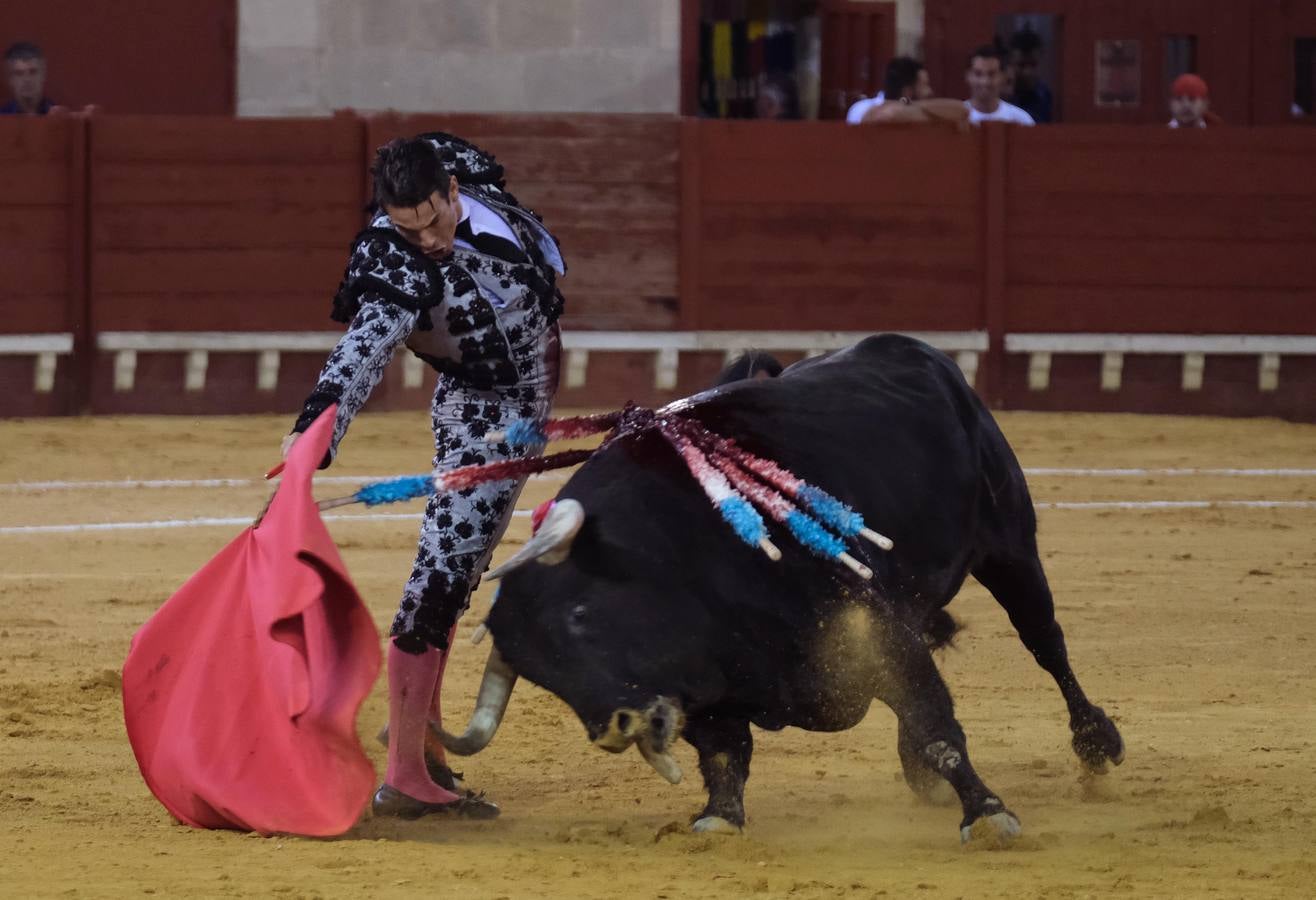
(38, 486)
(1178, 504)
(200, 523)
(1044, 472)
(1173, 473)
(1128, 505)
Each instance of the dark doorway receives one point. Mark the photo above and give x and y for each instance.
(1304, 78)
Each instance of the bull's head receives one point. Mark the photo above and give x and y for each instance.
(652, 726)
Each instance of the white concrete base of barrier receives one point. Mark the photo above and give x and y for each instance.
(1194, 350)
(666, 347)
(46, 348)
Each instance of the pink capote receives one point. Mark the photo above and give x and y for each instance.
(240, 694)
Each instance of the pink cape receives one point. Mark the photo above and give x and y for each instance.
(240, 694)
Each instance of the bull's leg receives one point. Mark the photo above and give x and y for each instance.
(724, 747)
(925, 781)
(931, 740)
(1020, 586)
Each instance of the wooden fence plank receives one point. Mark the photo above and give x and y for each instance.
(1197, 167)
(211, 139)
(1120, 262)
(1160, 310)
(249, 226)
(36, 183)
(29, 270)
(309, 185)
(27, 139)
(34, 227)
(268, 310)
(1191, 215)
(250, 273)
(864, 305)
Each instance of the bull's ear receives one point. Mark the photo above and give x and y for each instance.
(551, 544)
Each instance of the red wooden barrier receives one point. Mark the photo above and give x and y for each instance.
(209, 224)
(41, 255)
(122, 226)
(1154, 231)
(817, 226)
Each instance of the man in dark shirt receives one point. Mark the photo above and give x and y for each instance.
(1030, 92)
(25, 67)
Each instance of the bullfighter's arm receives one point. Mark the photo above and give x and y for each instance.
(357, 364)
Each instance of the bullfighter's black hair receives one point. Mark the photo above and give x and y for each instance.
(407, 171)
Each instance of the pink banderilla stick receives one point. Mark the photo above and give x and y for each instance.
(784, 481)
(775, 504)
(735, 509)
(470, 476)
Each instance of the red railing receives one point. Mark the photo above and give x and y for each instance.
(130, 225)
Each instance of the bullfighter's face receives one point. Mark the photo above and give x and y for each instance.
(432, 225)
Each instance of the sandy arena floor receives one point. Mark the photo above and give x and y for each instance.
(1194, 627)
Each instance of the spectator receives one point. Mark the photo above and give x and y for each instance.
(25, 66)
(906, 79)
(1190, 102)
(1007, 83)
(1029, 92)
(984, 76)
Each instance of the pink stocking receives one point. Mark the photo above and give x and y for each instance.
(412, 680)
(433, 746)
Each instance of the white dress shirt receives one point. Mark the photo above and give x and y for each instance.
(1005, 112)
(857, 109)
(484, 221)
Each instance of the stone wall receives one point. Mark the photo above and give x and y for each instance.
(909, 28)
(310, 57)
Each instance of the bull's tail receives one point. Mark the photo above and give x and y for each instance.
(939, 629)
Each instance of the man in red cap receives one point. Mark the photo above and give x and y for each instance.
(1190, 102)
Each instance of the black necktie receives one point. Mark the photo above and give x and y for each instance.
(491, 244)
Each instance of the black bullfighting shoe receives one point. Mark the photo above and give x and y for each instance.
(439, 772)
(389, 801)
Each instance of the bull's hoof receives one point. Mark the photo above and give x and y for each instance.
(1097, 741)
(714, 825)
(991, 832)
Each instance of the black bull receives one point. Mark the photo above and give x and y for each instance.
(659, 623)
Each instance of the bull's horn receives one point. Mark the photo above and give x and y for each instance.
(490, 704)
(552, 542)
(662, 761)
